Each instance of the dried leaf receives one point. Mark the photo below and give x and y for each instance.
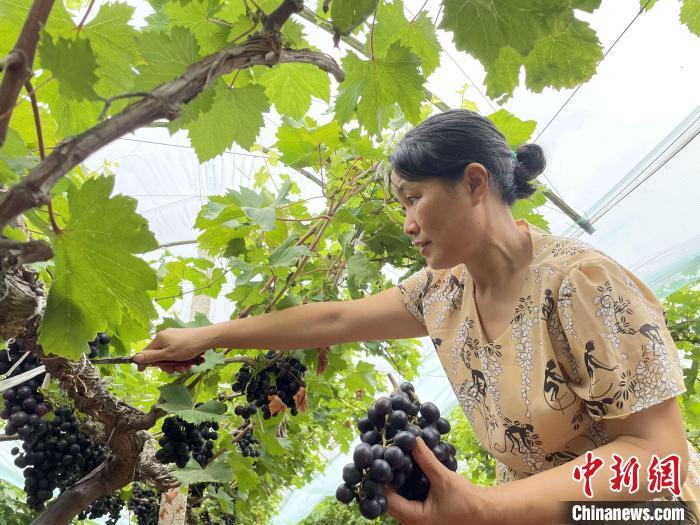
(322, 359)
(347, 423)
(300, 399)
(282, 430)
(276, 405)
(359, 393)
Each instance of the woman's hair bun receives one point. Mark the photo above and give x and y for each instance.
(531, 161)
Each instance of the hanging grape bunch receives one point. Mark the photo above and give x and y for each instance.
(144, 503)
(182, 440)
(248, 443)
(269, 377)
(107, 505)
(225, 519)
(56, 455)
(24, 405)
(388, 435)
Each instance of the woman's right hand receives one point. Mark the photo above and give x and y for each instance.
(173, 344)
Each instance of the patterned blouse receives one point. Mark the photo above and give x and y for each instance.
(587, 342)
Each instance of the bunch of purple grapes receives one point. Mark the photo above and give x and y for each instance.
(384, 457)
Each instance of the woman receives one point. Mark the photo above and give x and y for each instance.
(552, 348)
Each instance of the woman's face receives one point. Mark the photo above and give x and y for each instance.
(444, 218)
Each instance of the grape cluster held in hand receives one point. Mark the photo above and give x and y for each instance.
(388, 434)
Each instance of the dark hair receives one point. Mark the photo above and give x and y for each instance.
(442, 145)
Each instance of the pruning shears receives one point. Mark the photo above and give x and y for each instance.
(11, 382)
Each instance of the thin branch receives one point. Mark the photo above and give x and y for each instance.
(82, 22)
(17, 253)
(371, 33)
(42, 151)
(163, 102)
(18, 69)
(419, 12)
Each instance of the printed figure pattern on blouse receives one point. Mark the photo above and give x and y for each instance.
(577, 384)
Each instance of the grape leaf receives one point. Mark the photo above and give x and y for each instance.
(75, 76)
(291, 86)
(361, 270)
(690, 15)
(348, 14)
(246, 477)
(516, 131)
(72, 116)
(15, 158)
(563, 60)
(419, 36)
(236, 115)
(98, 279)
(218, 471)
(166, 56)
(558, 50)
(179, 402)
(265, 217)
(212, 359)
(114, 43)
(300, 145)
(195, 16)
(286, 254)
(376, 86)
(503, 77)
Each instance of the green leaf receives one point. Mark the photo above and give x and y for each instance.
(114, 43)
(212, 359)
(419, 36)
(195, 16)
(361, 270)
(236, 115)
(286, 254)
(503, 77)
(166, 56)
(15, 159)
(375, 87)
(98, 279)
(516, 131)
(265, 217)
(245, 476)
(291, 87)
(175, 322)
(558, 50)
(563, 60)
(588, 5)
(75, 76)
(348, 14)
(219, 471)
(179, 402)
(268, 438)
(300, 145)
(72, 116)
(14, 234)
(690, 15)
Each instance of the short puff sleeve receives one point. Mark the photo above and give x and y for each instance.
(413, 290)
(618, 353)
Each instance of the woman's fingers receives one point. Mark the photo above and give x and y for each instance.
(401, 509)
(151, 356)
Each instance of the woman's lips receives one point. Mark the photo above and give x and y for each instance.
(423, 248)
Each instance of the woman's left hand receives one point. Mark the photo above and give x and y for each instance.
(451, 499)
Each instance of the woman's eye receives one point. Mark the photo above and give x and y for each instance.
(409, 199)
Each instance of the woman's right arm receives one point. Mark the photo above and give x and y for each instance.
(313, 325)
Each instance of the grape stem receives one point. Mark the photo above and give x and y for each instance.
(393, 382)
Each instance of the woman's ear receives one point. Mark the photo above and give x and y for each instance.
(476, 182)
